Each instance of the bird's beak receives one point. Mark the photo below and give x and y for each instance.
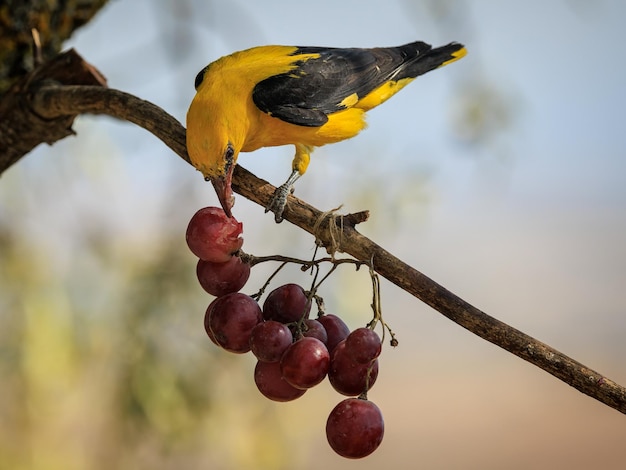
(222, 185)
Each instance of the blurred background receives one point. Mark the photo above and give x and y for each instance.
(503, 177)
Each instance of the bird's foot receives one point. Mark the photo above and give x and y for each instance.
(279, 201)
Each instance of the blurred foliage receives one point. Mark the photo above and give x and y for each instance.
(483, 112)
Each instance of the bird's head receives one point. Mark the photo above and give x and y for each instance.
(213, 141)
(221, 177)
(216, 163)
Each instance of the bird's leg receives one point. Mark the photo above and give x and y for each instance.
(299, 165)
(279, 199)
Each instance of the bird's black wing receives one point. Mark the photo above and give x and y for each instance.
(318, 87)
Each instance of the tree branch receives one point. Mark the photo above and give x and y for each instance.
(22, 128)
(50, 102)
(54, 22)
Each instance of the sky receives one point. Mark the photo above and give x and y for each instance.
(522, 211)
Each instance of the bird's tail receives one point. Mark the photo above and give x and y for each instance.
(424, 61)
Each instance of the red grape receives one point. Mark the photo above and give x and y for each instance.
(314, 329)
(222, 278)
(207, 318)
(364, 345)
(269, 381)
(335, 328)
(269, 340)
(286, 304)
(305, 363)
(213, 236)
(355, 428)
(232, 319)
(349, 377)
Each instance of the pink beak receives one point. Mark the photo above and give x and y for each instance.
(222, 185)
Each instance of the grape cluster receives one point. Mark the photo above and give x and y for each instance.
(293, 352)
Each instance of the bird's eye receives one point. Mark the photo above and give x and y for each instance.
(229, 155)
(200, 77)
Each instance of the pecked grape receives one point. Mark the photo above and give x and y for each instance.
(213, 236)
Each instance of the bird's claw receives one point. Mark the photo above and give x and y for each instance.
(279, 201)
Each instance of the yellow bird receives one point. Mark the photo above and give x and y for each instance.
(305, 96)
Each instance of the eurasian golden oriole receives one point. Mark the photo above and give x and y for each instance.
(305, 96)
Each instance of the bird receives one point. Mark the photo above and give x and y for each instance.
(275, 95)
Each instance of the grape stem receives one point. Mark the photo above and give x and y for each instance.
(314, 265)
(306, 264)
(377, 308)
(261, 291)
